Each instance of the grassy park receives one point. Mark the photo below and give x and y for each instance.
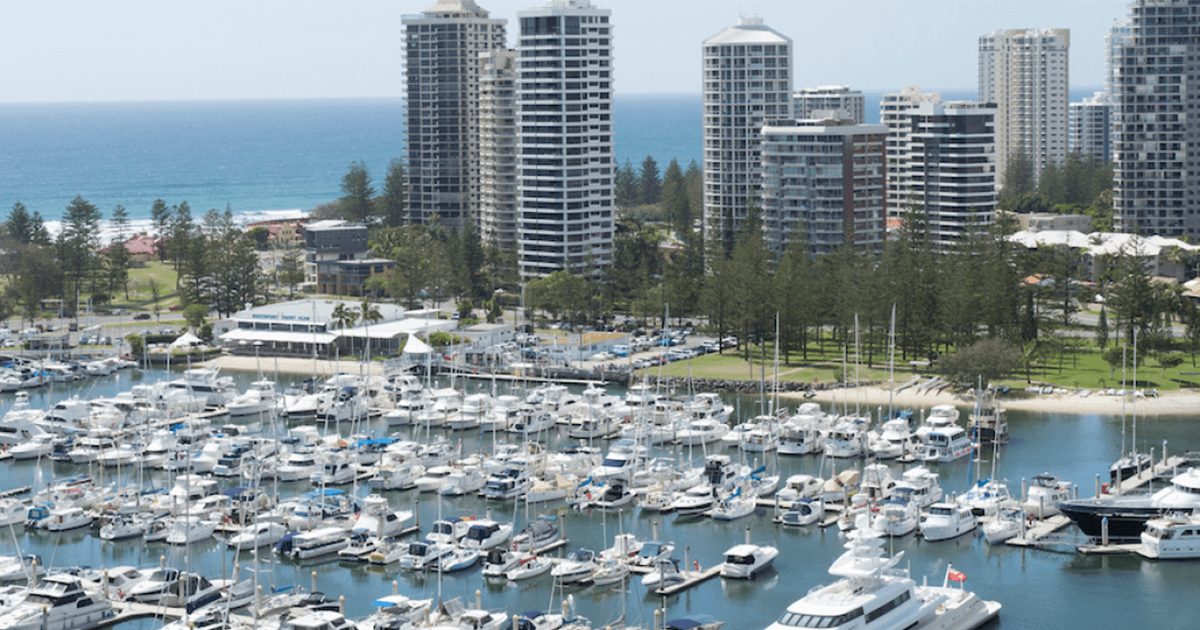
(141, 294)
(1082, 369)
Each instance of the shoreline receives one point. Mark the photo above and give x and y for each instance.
(1167, 404)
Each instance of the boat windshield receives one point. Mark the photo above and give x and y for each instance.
(801, 620)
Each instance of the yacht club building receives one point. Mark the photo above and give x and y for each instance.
(302, 327)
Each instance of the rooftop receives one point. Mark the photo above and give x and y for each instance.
(748, 30)
(1101, 243)
(316, 309)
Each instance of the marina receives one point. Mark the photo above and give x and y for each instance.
(696, 586)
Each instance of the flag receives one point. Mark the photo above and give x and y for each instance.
(956, 576)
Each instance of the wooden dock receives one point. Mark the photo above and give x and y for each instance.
(691, 578)
(1109, 550)
(1164, 467)
(1034, 535)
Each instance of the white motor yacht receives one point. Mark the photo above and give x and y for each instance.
(530, 568)
(319, 542)
(702, 431)
(65, 518)
(396, 476)
(748, 560)
(920, 486)
(536, 534)
(897, 517)
(377, 518)
(894, 439)
(259, 399)
(944, 521)
(58, 602)
(449, 531)
(872, 594)
(1171, 537)
(434, 478)
(474, 408)
(986, 497)
(396, 611)
(421, 556)
(465, 480)
(577, 567)
(1044, 495)
(802, 513)
(485, 534)
(298, 466)
(499, 562)
(848, 439)
(408, 410)
(257, 535)
(13, 512)
(38, 446)
(188, 529)
(799, 487)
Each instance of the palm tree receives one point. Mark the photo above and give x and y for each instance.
(368, 313)
(343, 316)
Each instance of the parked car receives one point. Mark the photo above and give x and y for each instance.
(620, 351)
(142, 316)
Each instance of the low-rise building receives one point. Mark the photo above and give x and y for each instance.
(305, 327)
(337, 258)
(1047, 221)
(1163, 257)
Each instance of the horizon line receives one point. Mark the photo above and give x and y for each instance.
(151, 101)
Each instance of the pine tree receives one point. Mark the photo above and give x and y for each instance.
(649, 183)
(181, 231)
(393, 203)
(626, 186)
(77, 244)
(18, 225)
(117, 259)
(357, 193)
(675, 199)
(38, 234)
(1102, 329)
(160, 218)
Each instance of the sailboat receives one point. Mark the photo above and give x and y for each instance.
(1132, 462)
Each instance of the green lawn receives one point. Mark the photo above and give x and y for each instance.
(140, 297)
(1085, 370)
(1089, 370)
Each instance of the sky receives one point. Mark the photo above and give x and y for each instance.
(134, 50)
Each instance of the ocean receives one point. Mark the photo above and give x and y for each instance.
(261, 157)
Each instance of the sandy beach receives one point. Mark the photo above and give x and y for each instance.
(1167, 404)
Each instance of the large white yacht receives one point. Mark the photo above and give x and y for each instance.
(873, 595)
(58, 602)
(1171, 537)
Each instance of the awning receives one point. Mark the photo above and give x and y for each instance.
(187, 339)
(278, 336)
(414, 345)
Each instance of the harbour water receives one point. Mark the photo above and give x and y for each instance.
(1037, 588)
